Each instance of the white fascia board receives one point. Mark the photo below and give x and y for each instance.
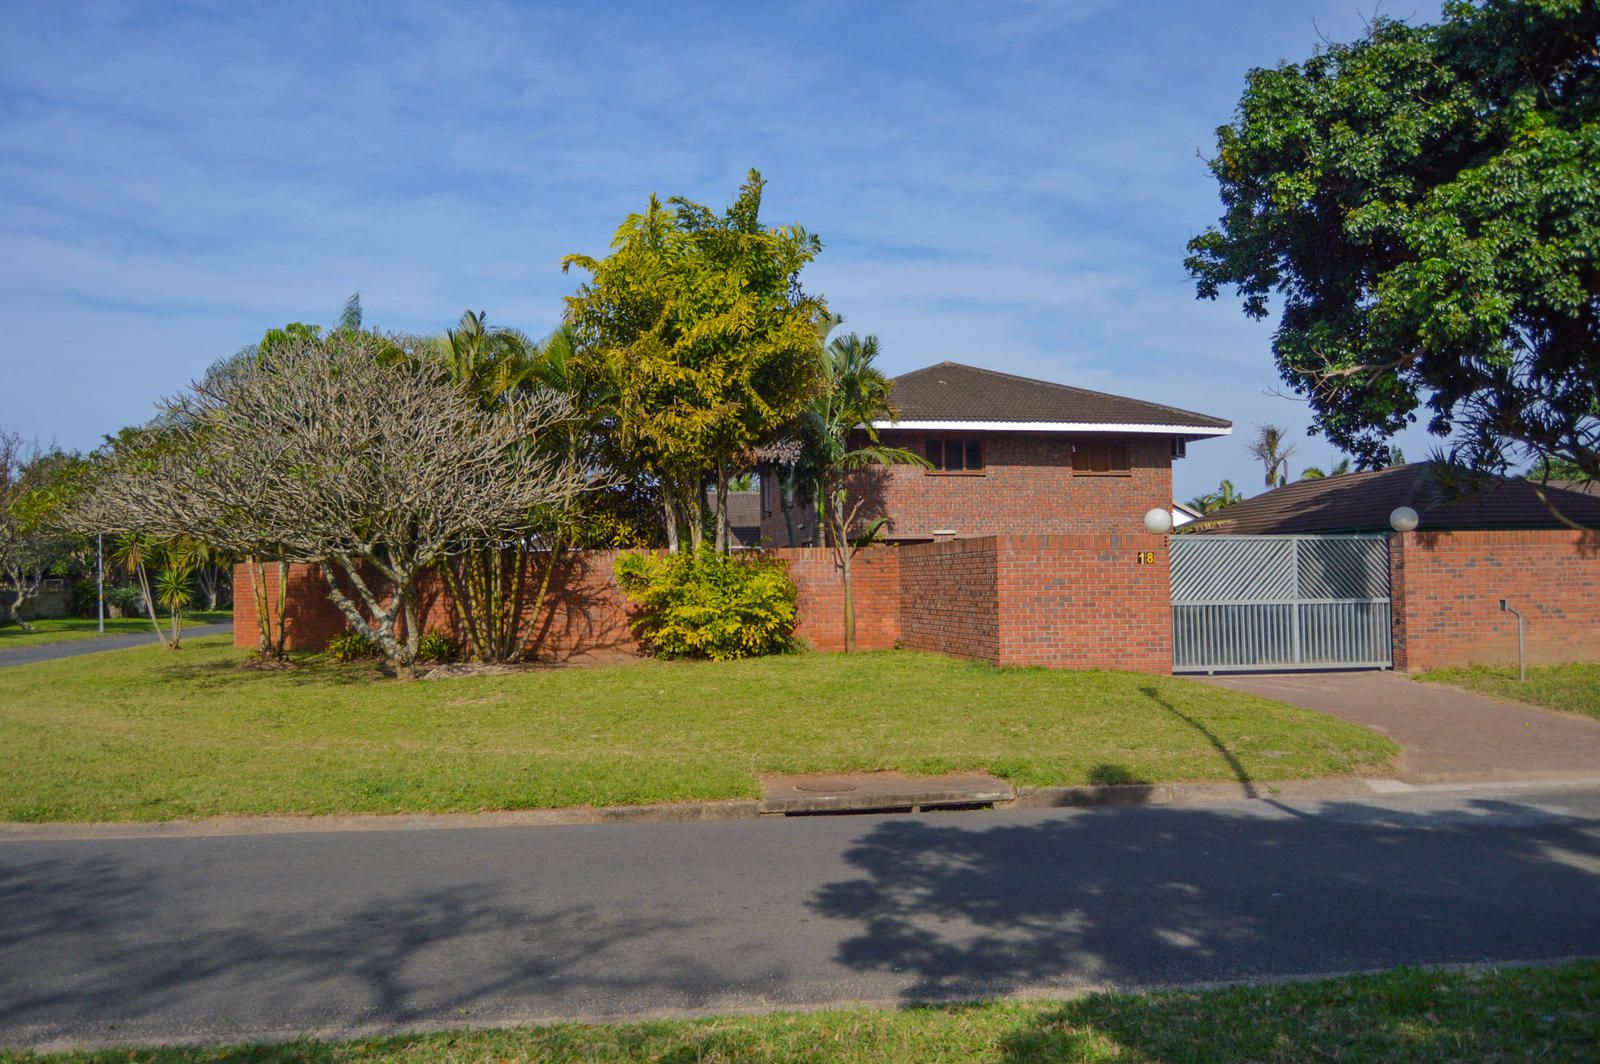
(1055, 426)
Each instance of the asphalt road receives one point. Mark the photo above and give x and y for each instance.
(231, 938)
(71, 648)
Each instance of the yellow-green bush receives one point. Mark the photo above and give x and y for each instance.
(701, 604)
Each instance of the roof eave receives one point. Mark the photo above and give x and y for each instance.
(1129, 427)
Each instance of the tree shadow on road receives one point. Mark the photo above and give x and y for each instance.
(1154, 895)
(74, 952)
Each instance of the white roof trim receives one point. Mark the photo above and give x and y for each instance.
(1056, 426)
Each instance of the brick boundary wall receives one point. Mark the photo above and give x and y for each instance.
(1447, 586)
(1068, 601)
(591, 616)
(1086, 602)
(949, 598)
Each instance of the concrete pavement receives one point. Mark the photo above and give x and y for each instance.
(1445, 733)
(234, 938)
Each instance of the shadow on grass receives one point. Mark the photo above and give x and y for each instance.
(303, 670)
(1235, 766)
(1404, 1015)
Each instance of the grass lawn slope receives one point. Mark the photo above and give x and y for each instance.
(1572, 688)
(1402, 1017)
(148, 734)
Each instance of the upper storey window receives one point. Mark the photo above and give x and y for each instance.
(1101, 457)
(954, 456)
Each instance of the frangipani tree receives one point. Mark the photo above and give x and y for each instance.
(370, 467)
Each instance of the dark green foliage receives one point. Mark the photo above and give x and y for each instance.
(1425, 206)
(351, 645)
(436, 648)
(129, 600)
(701, 604)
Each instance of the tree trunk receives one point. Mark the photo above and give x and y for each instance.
(724, 539)
(279, 649)
(695, 510)
(669, 509)
(149, 601)
(401, 655)
(845, 552)
(786, 499)
(258, 591)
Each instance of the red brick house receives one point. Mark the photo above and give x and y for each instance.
(1010, 456)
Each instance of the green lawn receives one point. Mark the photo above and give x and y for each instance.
(62, 629)
(1573, 688)
(1400, 1016)
(148, 734)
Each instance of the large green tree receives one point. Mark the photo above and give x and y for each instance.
(699, 322)
(1424, 207)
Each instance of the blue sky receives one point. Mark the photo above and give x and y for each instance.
(1004, 183)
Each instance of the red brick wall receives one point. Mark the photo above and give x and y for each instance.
(1079, 601)
(948, 598)
(1447, 588)
(1086, 602)
(820, 605)
(1026, 487)
(590, 615)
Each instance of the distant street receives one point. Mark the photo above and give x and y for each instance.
(71, 648)
(268, 936)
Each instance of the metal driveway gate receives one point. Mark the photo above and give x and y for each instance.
(1280, 602)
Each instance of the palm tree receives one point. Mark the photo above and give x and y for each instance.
(1212, 501)
(856, 395)
(491, 363)
(494, 365)
(1269, 447)
(1313, 473)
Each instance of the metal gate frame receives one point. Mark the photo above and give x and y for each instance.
(1248, 603)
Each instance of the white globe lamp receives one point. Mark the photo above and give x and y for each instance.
(1158, 522)
(1404, 519)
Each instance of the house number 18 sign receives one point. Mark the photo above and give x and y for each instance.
(1146, 557)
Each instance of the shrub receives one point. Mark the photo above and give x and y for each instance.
(351, 645)
(707, 605)
(84, 599)
(127, 600)
(436, 648)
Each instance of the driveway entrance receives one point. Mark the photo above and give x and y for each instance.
(1445, 733)
(1280, 602)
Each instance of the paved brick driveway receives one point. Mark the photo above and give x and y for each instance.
(1445, 733)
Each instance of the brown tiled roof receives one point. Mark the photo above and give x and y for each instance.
(950, 391)
(1362, 502)
(744, 515)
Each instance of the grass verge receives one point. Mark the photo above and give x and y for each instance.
(65, 629)
(1571, 688)
(148, 734)
(1400, 1016)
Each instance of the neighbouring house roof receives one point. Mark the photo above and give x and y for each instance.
(953, 396)
(744, 515)
(1362, 502)
(1182, 514)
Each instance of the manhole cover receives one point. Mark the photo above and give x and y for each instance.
(824, 788)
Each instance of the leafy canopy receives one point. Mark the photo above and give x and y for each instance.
(1425, 205)
(700, 323)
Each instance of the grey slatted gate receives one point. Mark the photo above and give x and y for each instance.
(1280, 602)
